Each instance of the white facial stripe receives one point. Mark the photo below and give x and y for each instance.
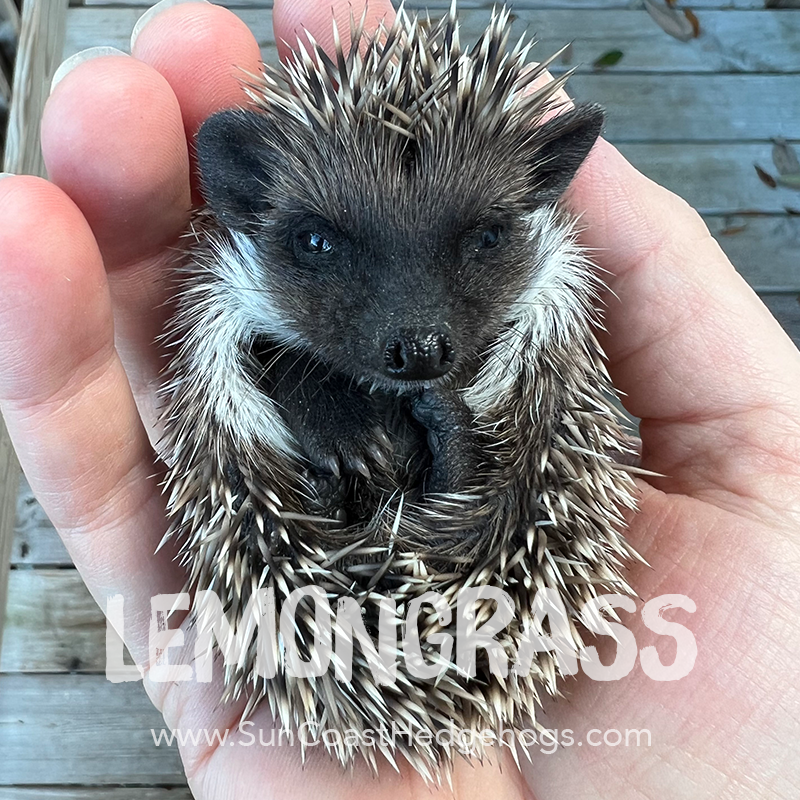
(220, 316)
(555, 306)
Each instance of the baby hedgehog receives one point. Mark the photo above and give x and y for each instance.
(384, 380)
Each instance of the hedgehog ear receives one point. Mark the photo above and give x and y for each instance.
(562, 145)
(232, 156)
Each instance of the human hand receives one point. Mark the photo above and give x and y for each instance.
(715, 381)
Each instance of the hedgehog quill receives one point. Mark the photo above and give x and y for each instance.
(384, 376)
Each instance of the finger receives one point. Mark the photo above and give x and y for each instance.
(701, 360)
(205, 52)
(68, 406)
(113, 140)
(291, 19)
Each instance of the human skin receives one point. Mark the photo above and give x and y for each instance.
(714, 379)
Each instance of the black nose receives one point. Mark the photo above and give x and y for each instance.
(412, 355)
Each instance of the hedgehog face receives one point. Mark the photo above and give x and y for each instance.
(395, 260)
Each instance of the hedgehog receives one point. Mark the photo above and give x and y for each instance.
(384, 378)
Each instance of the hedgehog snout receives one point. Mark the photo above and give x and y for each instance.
(417, 354)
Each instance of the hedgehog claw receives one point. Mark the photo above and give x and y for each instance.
(331, 464)
(357, 464)
(383, 439)
(378, 456)
(324, 492)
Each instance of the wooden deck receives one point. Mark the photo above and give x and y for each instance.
(694, 116)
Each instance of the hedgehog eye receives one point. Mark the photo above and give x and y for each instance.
(490, 237)
(314, 243)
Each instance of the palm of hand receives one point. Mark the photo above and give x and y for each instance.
(714, 380)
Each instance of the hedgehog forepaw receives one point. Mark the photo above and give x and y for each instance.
(452, 440)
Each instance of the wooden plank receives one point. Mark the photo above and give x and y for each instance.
(766, 250)
(615, 5)
(36, 543)
(80, 729)
(10, 13)
(52, 624)
(9, 481)
(41, 41)
(786, 309)
(675, 108)
(95, 793)
(698, 108)
(713, 178)
(5, 90)
(731, 42)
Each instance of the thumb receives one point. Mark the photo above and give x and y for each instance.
(714, 379)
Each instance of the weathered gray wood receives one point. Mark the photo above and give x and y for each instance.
(698, 108)
(41, 41)
(615, 5)
(732, 42)
(36, 543)
(10, 13)
(52, 624)
(675, 107)
(786, 309)
(9, 480)
(61, 729)
(766, 250)
(714, 178)
(5, 90)
(95, 793)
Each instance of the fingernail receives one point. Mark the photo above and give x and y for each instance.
(154, 11)
(84, 55)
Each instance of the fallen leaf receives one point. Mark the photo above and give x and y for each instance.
(608, 59)
(692, 17)
(785, 158)
(732, 230)
(766, 177)
(671, 20)
(789, 181)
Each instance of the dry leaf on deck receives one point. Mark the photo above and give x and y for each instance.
(732, 230)
(785, 158)
(692, 17)
(672, 21)
(766, 177)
